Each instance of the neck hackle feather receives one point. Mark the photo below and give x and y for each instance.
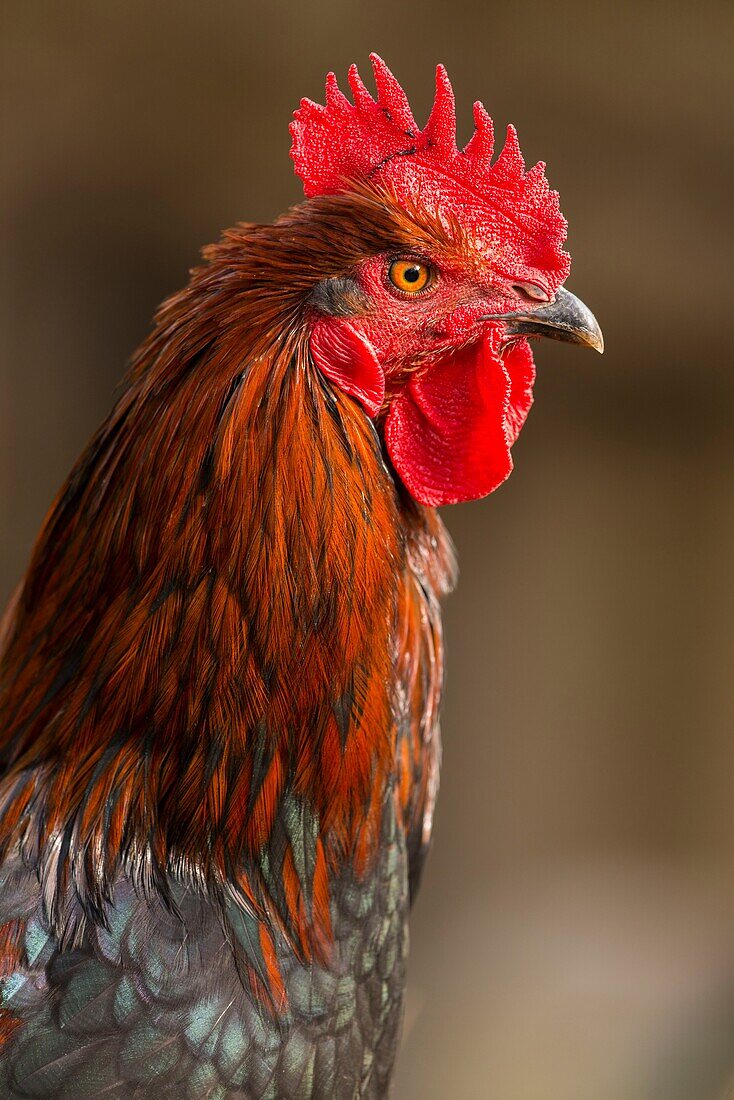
(197, 670)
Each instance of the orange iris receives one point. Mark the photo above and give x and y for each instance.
(409, 276)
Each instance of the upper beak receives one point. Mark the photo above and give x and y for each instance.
(565, 318)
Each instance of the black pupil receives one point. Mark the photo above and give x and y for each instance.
(412, 274)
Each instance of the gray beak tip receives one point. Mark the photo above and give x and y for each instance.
(566, 318)
(596, 340)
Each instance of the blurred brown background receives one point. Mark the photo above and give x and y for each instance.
(573, 939)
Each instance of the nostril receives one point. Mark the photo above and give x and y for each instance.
(529, 292)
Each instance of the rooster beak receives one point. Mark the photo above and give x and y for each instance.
(565, 318)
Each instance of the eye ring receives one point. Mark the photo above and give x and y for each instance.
(410, 277)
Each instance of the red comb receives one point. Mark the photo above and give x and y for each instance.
(378, 139)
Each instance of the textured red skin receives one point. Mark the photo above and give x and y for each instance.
(348, 359)
(504, 206)
(451, 425)
(449, 431)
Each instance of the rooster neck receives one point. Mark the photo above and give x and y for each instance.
(199, 671)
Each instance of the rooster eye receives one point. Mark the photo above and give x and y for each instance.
(409, 276)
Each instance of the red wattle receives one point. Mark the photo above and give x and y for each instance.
(518, 363)
(449, 431)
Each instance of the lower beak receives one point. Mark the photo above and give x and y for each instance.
(565, 318)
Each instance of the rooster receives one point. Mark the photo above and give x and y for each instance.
(220, 677)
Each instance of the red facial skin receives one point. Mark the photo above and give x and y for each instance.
(450, 389)
(403, 327)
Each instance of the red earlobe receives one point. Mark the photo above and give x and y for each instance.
(348, 359)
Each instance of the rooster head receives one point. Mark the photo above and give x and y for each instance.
(429, 328)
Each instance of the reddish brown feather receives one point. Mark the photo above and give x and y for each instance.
(223, 569)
